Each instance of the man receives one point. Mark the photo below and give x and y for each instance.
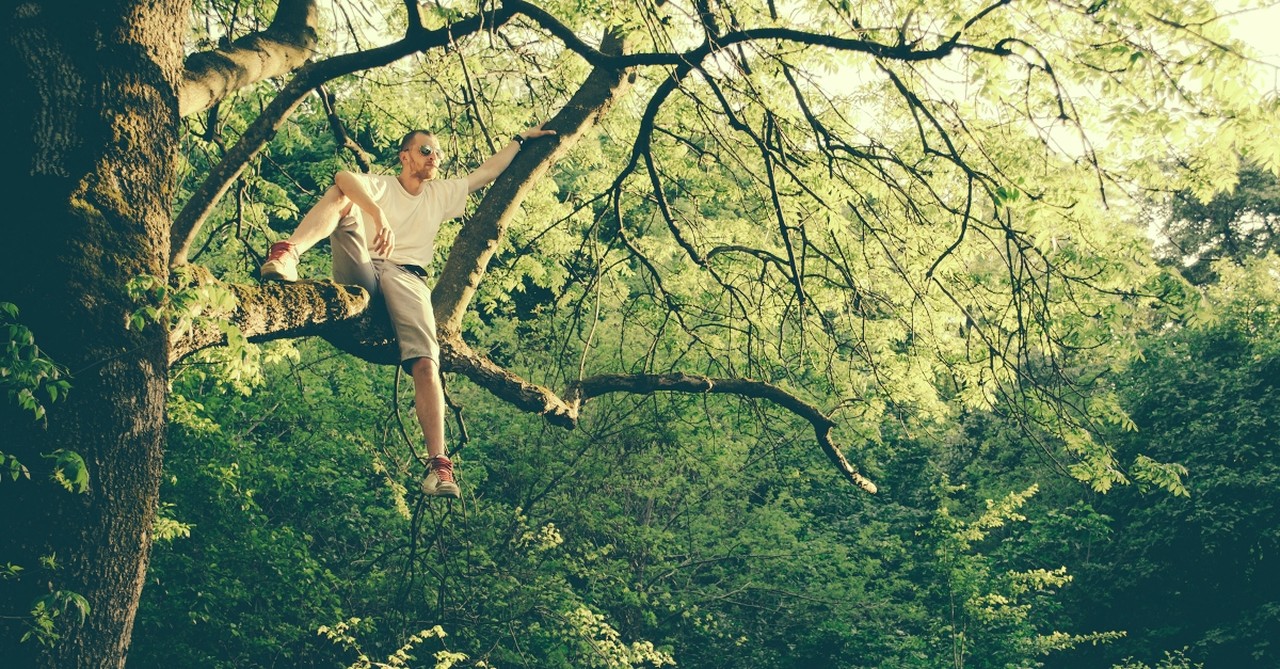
(382, 229)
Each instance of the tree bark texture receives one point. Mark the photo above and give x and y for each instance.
(91, 131)
(283, 47)
(278, 311)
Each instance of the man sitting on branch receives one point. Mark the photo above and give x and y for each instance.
(383, 229)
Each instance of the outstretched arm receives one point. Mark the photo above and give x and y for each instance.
(491, 168)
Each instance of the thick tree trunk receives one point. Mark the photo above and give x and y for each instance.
(91, 133)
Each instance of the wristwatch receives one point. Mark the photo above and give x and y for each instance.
(519, 139)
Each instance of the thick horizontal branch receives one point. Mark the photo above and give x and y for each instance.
(283, 47)
(762, 254)
(371, 338)
(341, 315)
(274, 311)
(579, 392)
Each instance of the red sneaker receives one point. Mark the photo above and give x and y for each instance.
(281, 264)
(439, 481)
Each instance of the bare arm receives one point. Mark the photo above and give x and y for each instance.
(491, 168)
(354, 189)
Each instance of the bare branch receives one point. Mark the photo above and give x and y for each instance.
(340, 135)
(464, 435)
(665, 207)
(901, 52)
(581, 391)
(274, 311)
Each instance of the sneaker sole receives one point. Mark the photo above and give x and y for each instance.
(444, 491)
(440, 489)
(275, 276)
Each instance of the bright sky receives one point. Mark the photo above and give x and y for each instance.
(1261, 29)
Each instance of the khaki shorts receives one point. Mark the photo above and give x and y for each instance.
(405, 294)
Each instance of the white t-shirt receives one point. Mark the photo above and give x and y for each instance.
(415, 219)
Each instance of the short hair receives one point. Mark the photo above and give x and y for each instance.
(407, 140)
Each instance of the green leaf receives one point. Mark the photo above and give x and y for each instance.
(69, 470)
(1164, 475)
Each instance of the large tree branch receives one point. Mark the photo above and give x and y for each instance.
(341, 315)
(283, 47)
(481, 235)
(188, 222)
(273, 311)
(371, 338)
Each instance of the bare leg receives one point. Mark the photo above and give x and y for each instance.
(428, 402)
(321, 220)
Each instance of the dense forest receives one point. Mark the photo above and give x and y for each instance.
(903, 334)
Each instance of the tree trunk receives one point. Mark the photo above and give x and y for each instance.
(91, 131)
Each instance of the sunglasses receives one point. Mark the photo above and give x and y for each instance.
(428, 151)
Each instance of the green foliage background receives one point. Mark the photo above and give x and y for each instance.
(709, 530)
(713, 530)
